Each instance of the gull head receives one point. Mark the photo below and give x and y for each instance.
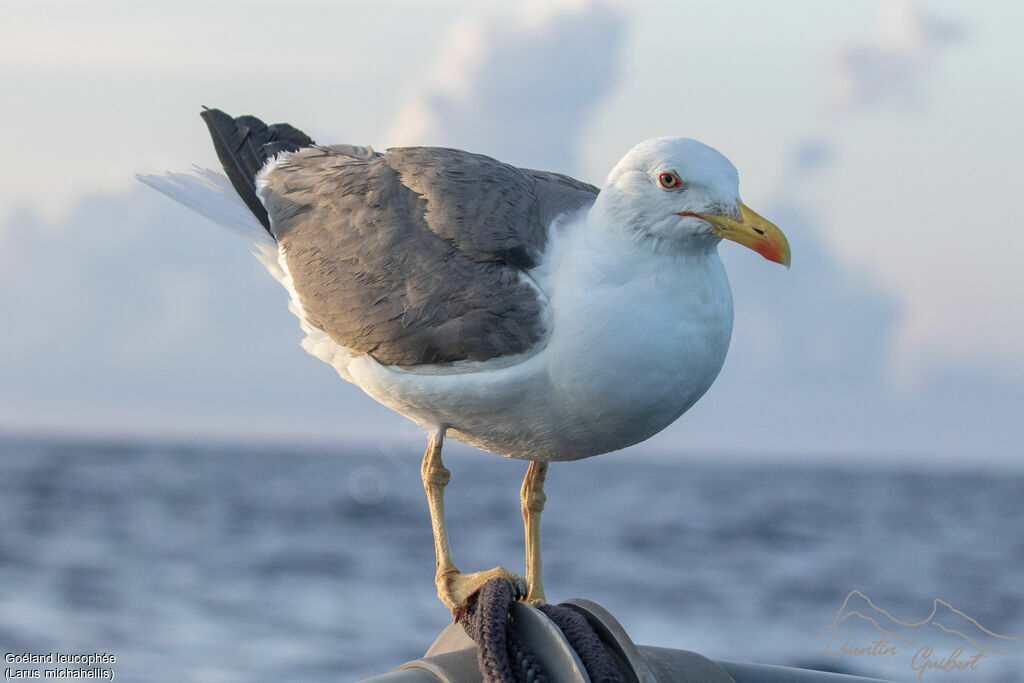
(681, 194)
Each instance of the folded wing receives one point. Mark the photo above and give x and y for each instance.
(418, 255)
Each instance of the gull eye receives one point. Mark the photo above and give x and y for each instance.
(669, 180)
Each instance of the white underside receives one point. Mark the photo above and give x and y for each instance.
(633, 345)
(636, 338)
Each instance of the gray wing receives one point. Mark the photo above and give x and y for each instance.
(416, 256)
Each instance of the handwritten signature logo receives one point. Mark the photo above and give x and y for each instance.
(947, 640)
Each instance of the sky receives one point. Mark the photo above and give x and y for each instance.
(883, 137)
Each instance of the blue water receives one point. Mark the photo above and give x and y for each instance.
(221, 564)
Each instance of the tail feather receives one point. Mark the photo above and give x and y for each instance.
(211, 194)
(243, 146)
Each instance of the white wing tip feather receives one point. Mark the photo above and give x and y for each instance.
(210, 194)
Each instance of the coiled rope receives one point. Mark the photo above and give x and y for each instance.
(503, 656)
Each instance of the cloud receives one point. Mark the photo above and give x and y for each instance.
(817, 323)
(518, 84)
(809, 157)
(133, 311)
(893, 68)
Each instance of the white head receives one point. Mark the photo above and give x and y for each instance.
(685, 195)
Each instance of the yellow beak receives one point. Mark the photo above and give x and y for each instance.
(754, 232)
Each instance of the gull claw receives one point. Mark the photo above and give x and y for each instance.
(455, 588)
(519, 589)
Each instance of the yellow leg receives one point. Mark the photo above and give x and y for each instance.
(533, 499)
(453, 587)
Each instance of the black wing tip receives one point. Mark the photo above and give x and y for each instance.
(244, 144)
(280, 133)
(212, 115)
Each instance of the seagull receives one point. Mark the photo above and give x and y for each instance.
(519, 311)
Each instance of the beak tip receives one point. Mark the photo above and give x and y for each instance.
(754, 232)
(775, 253)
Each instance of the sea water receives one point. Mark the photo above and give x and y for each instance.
(269, 564)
